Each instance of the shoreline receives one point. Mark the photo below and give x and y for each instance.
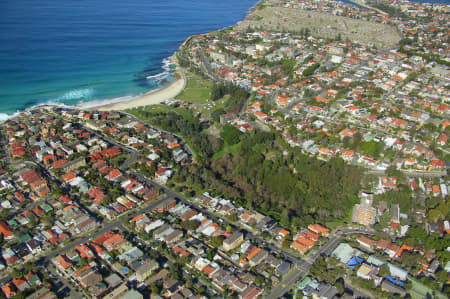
(152, 97)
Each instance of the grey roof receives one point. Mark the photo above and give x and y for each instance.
(392, 288)
(283, 268)
(344, 252)
(148, 266)
(327, 291)
(113, 280)
(375, 261)
(131, 254)
(236, 235)
(397, 271)
(132, 294)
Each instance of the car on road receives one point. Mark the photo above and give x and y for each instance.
(64, 293)
(59, 285)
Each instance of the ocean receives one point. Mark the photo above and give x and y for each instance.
(79, 52)
(73, 52)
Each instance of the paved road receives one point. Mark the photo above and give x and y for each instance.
(325, 249)
(302, 269)
(117, 224)
(207, 66)
(134, 155)
(380, 131)
(412, 173)
(298, 273)
(300, 266)
(183, 143)
(66, 284)
(217, 219)
(304, 265)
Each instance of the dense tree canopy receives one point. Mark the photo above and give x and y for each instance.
(295, 189)
(230, 134)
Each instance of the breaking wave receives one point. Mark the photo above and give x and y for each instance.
(76, 94)
(160, 77)
(4, 116)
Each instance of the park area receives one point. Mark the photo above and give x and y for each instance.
(197, 90)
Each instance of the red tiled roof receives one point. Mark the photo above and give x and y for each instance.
(38, 211)
(114, 173)
(300, 247)
(253, 253)
(63, 262)
(307, 242)
(317, 228)
(4, 230)
(59, 163)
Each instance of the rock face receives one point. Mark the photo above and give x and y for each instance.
(321, 25)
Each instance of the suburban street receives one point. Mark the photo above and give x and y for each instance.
(301, 152)
(289, 282)
(300, 266)
(207, 66)
(107, 226)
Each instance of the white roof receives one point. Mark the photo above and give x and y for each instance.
(397, 271)
(209, 230)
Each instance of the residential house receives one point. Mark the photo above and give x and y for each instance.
(87, 277)
(74, 164)
(233, 241)
(319, 229)
(250, 292)
(145, 270)
(389, 287)
(366, 242)
(366, 271)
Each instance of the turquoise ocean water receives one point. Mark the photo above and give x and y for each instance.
(87, 50)
(81, 51)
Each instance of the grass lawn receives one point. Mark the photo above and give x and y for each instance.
(209, 107)
(198, 89)
(185, 113)
(419, 290)
(228, 149)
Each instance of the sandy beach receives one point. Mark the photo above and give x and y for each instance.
(153, 97)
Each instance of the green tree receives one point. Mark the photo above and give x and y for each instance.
(310, 70)
(230, 134)
(259, 280)
(339, 284)
(442, 276)
(285, 221)
(190, 225)
(417, 233)
(217, 241)
(393, 171)
(218, 90)
(232, 217)
(155, 288)
(384, 270)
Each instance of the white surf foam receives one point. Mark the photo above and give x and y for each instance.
(82, 95)
(158, 78)
(5, 116)
(75, 94)
(96, 103)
